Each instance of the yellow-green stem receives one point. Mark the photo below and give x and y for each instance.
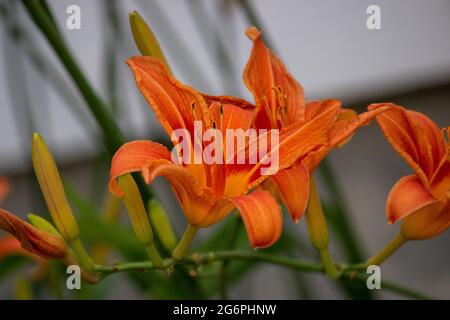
(183, 246)
(154, 255)
(82, 256)
(318, 230)
(387, 251)
(328, 264)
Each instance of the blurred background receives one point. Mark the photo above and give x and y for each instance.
(326, 45)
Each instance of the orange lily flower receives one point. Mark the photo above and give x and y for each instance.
(280, 103)
(208, 192)
(33, 240)
(421, 200)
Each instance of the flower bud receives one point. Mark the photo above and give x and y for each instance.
(52, 189)
(39, 242)
(145, 39)
(42, 224)
(162, 225)
(136, 209)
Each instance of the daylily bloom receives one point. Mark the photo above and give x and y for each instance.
(421, 200)
(39, 242)
(208, 192)
(280, 103)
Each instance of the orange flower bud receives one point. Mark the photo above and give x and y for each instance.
(36, 241)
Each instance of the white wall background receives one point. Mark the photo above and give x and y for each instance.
(325, 44)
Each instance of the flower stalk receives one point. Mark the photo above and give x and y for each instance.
(387, 251)
(52, 189)
(138, 216)
(318, 231)
(183, 246)
(162, 225)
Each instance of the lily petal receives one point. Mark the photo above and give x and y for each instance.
(133, 157)
(195, 199)
(349, 122)
(440, 183)
(427, 222)
(262, 218)
(415, 137)
(292, 184)
(175, 104)
(296, 141)
(235, 101)
(346, 125)
(272, 86)
(406, 197)
(228, 116)
(41, 243)
(430, 142)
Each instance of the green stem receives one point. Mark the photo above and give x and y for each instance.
(336, 214)
(183, 246)
(328, 264)
(387, 251)
(318, 230)
(113, 137)
(220, 256)
(154, 255)
(82, 256)
(225, 264)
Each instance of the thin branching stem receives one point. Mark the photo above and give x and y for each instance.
(347, 272)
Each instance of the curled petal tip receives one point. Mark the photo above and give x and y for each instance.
(253, 33)
(384, 105)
